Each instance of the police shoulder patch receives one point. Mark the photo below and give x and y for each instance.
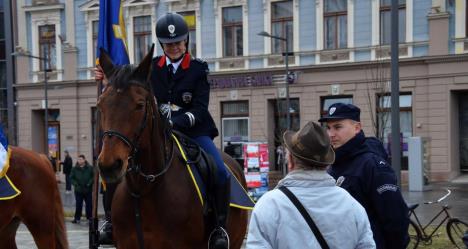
(387, 187)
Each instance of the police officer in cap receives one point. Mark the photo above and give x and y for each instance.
(180, 85)
(361, 167)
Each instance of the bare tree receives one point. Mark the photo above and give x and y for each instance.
(377, 87)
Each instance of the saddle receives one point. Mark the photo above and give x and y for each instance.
(204, 165)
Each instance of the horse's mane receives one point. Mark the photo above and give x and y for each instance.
(124, 76)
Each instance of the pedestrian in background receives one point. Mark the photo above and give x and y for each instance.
(340, 220)
(82, 180)
(67, 167)
(362, 169)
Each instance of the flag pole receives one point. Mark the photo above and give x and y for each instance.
(94, 224)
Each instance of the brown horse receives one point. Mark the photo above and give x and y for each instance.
(138, 150)
(38, 206)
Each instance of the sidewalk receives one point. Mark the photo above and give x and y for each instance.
(458, 200)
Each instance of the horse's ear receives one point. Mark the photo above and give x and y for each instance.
(144, 68)
(106, 62)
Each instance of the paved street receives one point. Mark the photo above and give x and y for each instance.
(78, 234)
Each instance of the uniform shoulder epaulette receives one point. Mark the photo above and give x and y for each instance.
(198, 60)
(203, 63)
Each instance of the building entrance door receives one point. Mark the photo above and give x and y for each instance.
(463, 116)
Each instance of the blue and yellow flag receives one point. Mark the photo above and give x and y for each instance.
(111, 35)
(4, 153)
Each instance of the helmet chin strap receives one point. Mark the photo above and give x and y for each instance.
(180, 57)
(177, 59)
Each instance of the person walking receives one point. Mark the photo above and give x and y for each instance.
(361, 167)
(67, 167)
(276, 222)
(82, 180)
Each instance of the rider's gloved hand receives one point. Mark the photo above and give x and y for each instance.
(99, 75)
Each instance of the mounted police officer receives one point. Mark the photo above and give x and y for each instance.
(181, 88)
(362, 169)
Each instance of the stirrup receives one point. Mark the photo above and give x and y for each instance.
(222, 232)
(105, 236)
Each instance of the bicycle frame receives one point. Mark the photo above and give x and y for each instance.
(445, 208)
(425, 236)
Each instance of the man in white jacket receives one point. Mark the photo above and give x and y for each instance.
(277, 223)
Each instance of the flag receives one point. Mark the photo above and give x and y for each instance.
(4, 153)
(111, 34)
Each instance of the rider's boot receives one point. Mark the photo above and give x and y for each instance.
(219, 238)
(105, 233)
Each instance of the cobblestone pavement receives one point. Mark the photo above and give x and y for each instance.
(78, 233)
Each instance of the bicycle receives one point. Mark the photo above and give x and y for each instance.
(455, 227)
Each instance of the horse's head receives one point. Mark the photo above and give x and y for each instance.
(126, 109)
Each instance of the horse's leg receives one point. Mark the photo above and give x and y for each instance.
(41, 225)
(8, 234)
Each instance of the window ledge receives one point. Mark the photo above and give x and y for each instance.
(44, 7)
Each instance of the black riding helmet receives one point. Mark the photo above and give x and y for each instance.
(172, 27)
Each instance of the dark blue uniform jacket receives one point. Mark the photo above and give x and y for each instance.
(188, 92)
(362, 167)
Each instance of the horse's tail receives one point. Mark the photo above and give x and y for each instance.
(60, 231)
(61, 241)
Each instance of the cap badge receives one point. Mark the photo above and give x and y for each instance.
(171, 28)
(332, 110)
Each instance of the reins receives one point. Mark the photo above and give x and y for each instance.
(135, 167)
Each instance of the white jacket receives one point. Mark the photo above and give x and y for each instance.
(276, 222)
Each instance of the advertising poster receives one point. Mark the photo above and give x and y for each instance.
(256, 167)
(53, 140)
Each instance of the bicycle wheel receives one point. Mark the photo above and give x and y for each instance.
(414, 235)
(455, 231)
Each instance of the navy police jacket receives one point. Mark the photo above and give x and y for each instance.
(186, 93)
(361, 167)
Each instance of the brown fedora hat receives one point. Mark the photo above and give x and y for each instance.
(310, 144)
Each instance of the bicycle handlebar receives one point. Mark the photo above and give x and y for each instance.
(441, 198)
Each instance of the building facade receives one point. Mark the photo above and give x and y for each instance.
(7, 107)
(340, 53)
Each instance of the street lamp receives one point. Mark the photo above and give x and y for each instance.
(46, 112)
(288, 103)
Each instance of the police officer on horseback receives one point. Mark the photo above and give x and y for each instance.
(181, 88)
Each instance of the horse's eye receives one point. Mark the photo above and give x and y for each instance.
(140, 106)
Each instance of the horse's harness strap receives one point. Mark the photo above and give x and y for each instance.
(139, 230)
(112, 133)
(134, 149)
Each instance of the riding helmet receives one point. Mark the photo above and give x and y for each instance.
(171, 27)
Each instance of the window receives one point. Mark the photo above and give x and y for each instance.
(327, 101)
(47, 47)
(385, 21)
(466, 18)
(384, 121)
(95, 30)
(232, 31)
(335, 21)
(2, 27)
(141, 36)
(281, 25)
(191, 20)
(235, 124)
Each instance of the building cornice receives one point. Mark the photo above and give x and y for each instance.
(355, 65)
(44, 7)
(52, 85)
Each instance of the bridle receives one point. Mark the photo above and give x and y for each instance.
(134, 167)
